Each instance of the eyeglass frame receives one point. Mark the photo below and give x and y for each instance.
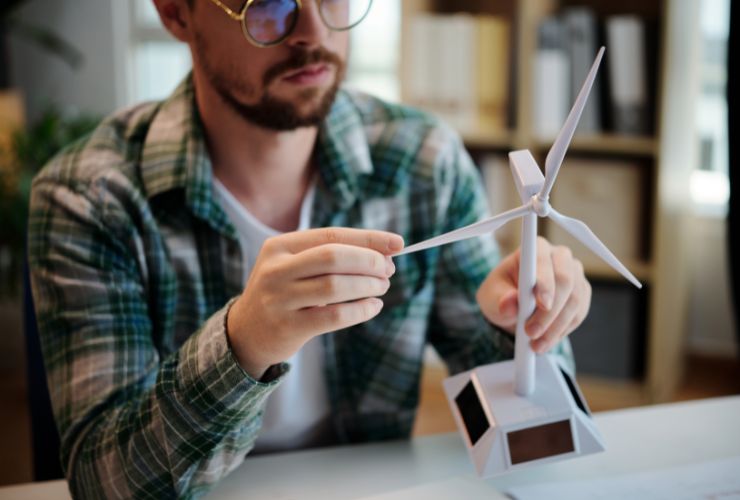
(242, 14)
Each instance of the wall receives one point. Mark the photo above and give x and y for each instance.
(711, 323)
(98, 28)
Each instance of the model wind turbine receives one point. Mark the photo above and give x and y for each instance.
(527, 411)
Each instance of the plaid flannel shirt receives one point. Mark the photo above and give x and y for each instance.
(134, 263)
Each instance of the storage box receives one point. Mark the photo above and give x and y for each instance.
(609, 197)
(611, 341)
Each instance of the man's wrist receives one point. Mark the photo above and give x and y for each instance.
(257, 372)
(255, 369)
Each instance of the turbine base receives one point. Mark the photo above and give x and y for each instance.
(504, 432)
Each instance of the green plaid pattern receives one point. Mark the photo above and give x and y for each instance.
(134, 265)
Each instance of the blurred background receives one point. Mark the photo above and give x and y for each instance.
(648, 169)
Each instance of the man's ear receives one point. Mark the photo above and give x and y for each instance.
(176, 17)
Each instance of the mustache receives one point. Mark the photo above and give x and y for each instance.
(298, 59)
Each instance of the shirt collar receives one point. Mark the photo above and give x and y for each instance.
(174, 154)
(343, 151)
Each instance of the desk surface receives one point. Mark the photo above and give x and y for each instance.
(637, 439)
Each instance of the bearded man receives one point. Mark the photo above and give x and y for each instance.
(213, 274)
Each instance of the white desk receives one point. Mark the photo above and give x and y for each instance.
(637, 440)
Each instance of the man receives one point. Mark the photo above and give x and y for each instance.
(165, 368)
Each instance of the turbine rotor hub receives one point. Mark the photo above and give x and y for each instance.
(541, 206)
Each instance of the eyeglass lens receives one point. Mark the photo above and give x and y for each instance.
(344, 14)
(270, 21)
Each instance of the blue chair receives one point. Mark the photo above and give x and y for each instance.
(44, 434)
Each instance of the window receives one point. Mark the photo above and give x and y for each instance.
(159, 62)
(709, 182)
(374, 52)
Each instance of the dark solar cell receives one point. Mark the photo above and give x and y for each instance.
(472, 412)
(539, 442)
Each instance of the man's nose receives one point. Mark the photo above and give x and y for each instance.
(310, 30)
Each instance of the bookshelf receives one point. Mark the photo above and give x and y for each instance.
(608, 144)
(665, 156)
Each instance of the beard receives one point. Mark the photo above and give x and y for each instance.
(271, 112)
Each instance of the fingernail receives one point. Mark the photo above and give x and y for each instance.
(395, 244)
(534, 330)
(390, 267)
(377, 304)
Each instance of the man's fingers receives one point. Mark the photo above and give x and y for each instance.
(497, 296)
(564, 269)
(561, 291)
(337, 316)
(557, 328)
(544, 288)
(341, 259)
(380, 241)
(335, 288)
(584, 292)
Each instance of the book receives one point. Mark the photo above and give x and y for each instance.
(502, 196)
(583, 43)
(628, 97)
(494, 71)
(457, 70)
(421, 46)
(551, 73)
(460, 69)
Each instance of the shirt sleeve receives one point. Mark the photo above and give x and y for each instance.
(459, 332)
(132, 425)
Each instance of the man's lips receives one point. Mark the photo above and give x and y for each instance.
(311, 74)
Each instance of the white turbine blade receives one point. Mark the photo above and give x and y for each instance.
(476, 229)
(562, 141)
(582, 233)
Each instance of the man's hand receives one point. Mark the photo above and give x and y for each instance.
(562, 293)
(308, 283)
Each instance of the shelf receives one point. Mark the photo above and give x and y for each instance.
(641, 270)
(609, 144)
(602, 144)
(501, 139)
(662, 160)
(603, 394)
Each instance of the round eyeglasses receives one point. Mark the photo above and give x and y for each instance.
(269, 22)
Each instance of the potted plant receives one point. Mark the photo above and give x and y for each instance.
(29, 150)
(23, 151)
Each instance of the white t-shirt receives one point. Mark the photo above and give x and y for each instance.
(297, 412)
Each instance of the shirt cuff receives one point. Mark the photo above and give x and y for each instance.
(212, 380)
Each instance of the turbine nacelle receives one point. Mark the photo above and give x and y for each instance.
(529, 181)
